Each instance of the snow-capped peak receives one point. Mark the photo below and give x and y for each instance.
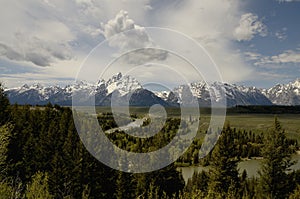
(205, 93)
(115, 78)
(284, 94)
(296, 83)
(25, 86)
(122, 84)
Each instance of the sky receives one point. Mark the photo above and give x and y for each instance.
(254, 43)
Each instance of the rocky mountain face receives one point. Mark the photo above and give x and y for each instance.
(206, 93)
(126, 89)
(284, 94)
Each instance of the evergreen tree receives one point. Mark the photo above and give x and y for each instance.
(38, 188)
(277, 161)
(73, 159)
(141, 182)
(5, 139)
(123, 185)
(199, 181)
(5, 190)
(11, 188)
(295, 194)
(224, 175)
(152, 192)
(86, 192)
(4, 107)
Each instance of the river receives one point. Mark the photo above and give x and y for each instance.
(251, 166)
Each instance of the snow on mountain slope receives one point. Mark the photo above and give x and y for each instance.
(235, 95)
(38, 94)
(162, 94)
(284, 94)
(125, 86)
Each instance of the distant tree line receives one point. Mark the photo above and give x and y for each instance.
(256, 109)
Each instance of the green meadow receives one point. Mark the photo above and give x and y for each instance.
(245, 121)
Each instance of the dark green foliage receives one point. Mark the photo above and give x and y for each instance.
(275, 109)
(41, 150)
(224, 175)
(223, 180)
(144, 145)
(199, 181)
(277, 161)
(45, 140)
(38, 188)
(295, 194)
(5, 139)
(122, 185)
(4, 106)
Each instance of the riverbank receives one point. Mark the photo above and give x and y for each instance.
(251, 166)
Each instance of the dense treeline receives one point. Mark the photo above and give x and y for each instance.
(274, 109)
(248, 145)
(41, 156)
(46, 141)
(223, 180)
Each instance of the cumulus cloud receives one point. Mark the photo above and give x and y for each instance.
(289, 56)
(211, 23)
(249, 26)
(59, 33)
(55, 29)
(286, 57)
(28, 35)
(123, 33)
(35, 50)
(281, 1)
(120, 24)
(9, 52)
(270, 75)
(281, 34)
(252, 56)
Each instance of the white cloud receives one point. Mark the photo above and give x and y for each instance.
(270, 75)
(249, 26)
(57, 29)
(252, 56)
(201, 19)
(28, 36)
(286, 57)
(281, 34)
(53, 75)
(57, 32)
(281, 1)
(289, 56)
(38, 51)
(123, 33)
(122, 23)
(230, 62)
(212, 24)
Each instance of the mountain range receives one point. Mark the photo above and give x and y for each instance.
(127, 88)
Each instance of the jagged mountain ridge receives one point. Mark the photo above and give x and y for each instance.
(284, 94)
(234, 94)
(124, 86)
(280, 94)
(128, 88)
